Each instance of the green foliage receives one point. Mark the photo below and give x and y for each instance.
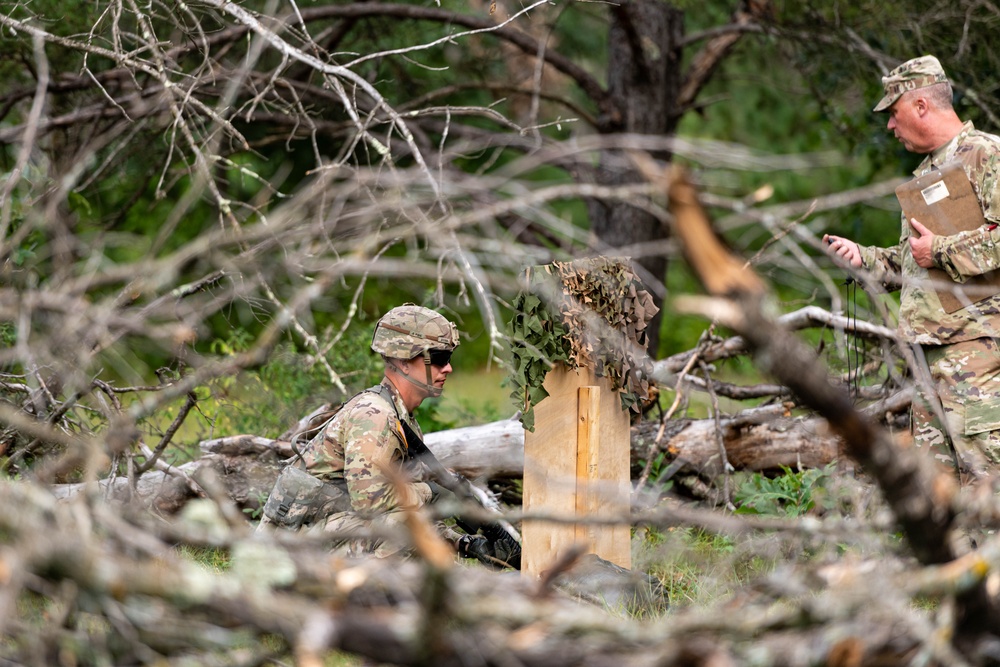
(679, 332)
(269, 399)
(544, 344)
(8, 334)
(259, 500)
(462, 412)
(23, 253)
(290, 385)
(238, 340)
(565, 315)
(791, 494)
(432, 418)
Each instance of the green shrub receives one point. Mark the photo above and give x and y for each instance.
(790, 494)
(266, 400)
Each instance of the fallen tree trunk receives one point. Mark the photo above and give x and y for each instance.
(783, 442)
(759, 440)
(497, 449)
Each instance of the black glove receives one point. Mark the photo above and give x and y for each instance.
(503, 544)
(496, 552)
(475, 546)
(508, 550)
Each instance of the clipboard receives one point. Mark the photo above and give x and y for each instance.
(943, 201)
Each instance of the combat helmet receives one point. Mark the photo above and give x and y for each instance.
(409, 331)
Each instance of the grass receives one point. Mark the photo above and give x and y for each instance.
(696, 567)
(216, 560)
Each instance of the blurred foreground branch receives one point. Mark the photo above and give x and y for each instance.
(924, 501)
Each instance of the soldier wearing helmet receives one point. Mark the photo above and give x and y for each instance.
(363, 444)
(408, 332)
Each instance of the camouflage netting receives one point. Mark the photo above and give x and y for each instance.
(590, 312)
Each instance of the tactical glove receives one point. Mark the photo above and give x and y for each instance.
(495, 552)
(476, 546)
(507, 549)
(504, 546)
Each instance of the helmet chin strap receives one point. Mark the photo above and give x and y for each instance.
(428, 387)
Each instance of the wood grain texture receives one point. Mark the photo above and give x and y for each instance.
(567, 425)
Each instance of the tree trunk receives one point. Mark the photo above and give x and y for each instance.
(644, 75)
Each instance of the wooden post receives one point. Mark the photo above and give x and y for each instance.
(576, 466)
(593, 314)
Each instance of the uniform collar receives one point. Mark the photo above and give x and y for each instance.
(397, 400)
(946, 153)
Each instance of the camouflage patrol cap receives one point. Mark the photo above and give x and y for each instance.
(409, 330)
(916, 73)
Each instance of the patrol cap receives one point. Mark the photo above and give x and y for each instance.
(916, 73)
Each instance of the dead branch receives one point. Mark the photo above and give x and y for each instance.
(747, 17)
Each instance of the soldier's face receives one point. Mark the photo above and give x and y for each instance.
(906, 123)
(438, 374)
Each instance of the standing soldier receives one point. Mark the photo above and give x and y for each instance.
(960, 347)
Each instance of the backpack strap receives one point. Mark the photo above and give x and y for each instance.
(327, 417)
(401, 427)
(311, 432)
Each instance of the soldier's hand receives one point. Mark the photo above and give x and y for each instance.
(921, 244)
(475, 546)
(500, 551)
(507, 549)
(846, 249)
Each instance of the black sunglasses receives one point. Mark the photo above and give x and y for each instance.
(440, 358)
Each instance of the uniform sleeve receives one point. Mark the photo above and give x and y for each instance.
(987, 181)
(372, 464)
(967, 254)
(974, 252)
(884, 264)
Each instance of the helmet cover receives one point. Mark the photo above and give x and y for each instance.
(409, 330)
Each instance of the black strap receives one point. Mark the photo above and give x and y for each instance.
(417, 450)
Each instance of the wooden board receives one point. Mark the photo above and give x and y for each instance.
(588, 449)
(943, 201)
(576, 465)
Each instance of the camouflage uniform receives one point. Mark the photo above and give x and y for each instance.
(363, 445)
(356, 473)
(959, 347)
